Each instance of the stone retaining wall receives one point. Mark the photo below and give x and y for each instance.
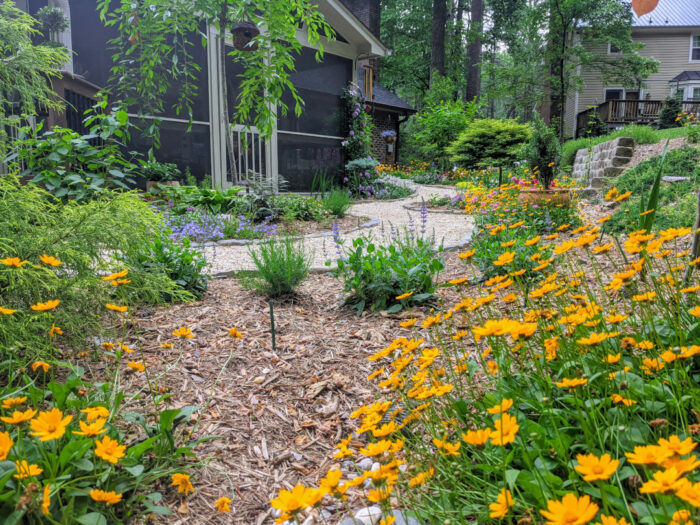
(608, 159)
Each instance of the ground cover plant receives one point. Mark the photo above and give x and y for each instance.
(677, 201)
(571, 401)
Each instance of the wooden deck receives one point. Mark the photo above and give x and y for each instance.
(621, 112)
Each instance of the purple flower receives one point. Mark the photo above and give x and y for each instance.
(352, 133)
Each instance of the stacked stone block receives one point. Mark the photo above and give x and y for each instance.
(606, 160)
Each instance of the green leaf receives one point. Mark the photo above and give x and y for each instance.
(135, 471)
(92, 518)
(137, 451)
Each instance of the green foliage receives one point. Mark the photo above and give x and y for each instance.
(176, 260)
(282, 264)
(487, 143)
(213, 201)
(431, 132)
(387, 190)
(668, 118)
(640, 134)
(693, 133)
(291, 206)
(82, 236)
(358, 143)
(595, 127)
(71, 166)
(361, 164)
(51, 21)
(542, 152)
(156, 171)
(338, 201)
(677, 201)
(375, 273)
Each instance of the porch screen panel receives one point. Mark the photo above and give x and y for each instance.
(301, 157)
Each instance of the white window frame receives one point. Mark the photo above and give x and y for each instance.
(693, 36)
(690, 94)
(614, 53)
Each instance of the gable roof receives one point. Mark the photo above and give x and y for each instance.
(384, 97)
(671, 13)
(354, 31)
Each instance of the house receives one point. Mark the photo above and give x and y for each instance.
(298, 149)
(670, 34)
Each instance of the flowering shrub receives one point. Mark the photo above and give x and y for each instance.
(358, 143)
(390, 275)
(67, 454)
(570, 402)
(242, 227)
(196, 225)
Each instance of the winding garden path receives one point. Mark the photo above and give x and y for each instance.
(450, 229)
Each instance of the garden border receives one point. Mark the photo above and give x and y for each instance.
(445, 212)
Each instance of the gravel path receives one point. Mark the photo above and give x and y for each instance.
(447, 228)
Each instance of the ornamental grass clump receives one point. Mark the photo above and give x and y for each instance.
(569, 398)
(281, 265)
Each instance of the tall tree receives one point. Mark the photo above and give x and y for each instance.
(473, 88)
(437, 40)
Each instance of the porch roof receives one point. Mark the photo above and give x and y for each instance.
(685, 76)
(384, 97)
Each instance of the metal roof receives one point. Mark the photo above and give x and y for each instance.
(671, 13)
(686, 75)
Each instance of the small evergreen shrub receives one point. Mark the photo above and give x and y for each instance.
(595, 127)
(486, 143)
(542, 152)
(281, 265)
(669, 113)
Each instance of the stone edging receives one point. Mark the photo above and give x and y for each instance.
(460, 244)
(446, 212)
(371, 223)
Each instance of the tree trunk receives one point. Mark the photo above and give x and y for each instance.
(473, 90)
(437, 41)
(223, 22)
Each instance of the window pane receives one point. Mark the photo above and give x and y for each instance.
(301, 158)
(696, 41)
(696, 93)
(696, 53)
(320, 86)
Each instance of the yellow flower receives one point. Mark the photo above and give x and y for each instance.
(503, 406)
(117, 308)
(421, 477)
(408, 323)
(94, 413)
(19, 417)
(126, 348)
(114, 276)
(50, 425)
(617, 398)
(645, 297)
(235, 333)
(389, 520)
(300, 497)
(674, 445)
(695, 312)
(384, 445)
(182, 482)
(477, 437)
(690, 492)
(108, 498)
(46, 500)
(571, 383)
(222, 504)
(109, 450)
(5, 445)
(377, 495)
(664, 481)
(55, 330)
(14, 262)
(532, 241)
(446, 448)
(622, 197)
(504, 501)
(504, 258)
(467, 254)
(493, 367)
(25, 470)
(683, 466)
(41, 364)
(13, 401)
(45, 307)
(91, 429)
(681, 517)
(504, 430)
(570, 511)
(507, 244)
(612, 359)
(6, 311)
(404, 296)
(184, 333)
(594, 468)
(50, 260)
(166, 345)
(648, 455)
(136, 366)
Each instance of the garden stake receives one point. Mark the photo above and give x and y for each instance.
(272, 327)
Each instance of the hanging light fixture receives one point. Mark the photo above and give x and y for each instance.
(243, 34)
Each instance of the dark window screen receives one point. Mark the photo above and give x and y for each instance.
(301, 158)
(76, 106)
(179, 146)
(320, 85)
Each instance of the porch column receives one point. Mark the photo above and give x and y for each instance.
(217, 120)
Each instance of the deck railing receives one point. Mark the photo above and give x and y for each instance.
(630, 112)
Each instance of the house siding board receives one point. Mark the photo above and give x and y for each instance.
(671, 48)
